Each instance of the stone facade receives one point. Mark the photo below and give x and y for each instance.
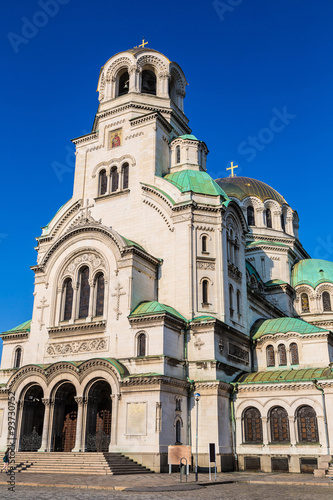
(147, 283)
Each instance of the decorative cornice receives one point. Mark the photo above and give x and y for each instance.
(78, 328)
(14, 336)
(154, 380)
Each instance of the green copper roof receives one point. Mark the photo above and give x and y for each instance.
(282, 325)
(203, 318)
(275, 282)
(131, 243)
(278, 376)
(191, 137)
(241, 187)
(195, 181)
(154, 307)
(24, 327)
(252, 271)
(251, 244)
(312, 272)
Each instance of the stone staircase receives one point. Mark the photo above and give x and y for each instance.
(77, 463)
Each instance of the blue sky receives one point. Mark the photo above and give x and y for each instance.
(246, 62)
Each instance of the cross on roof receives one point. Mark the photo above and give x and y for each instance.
(143, 43)
(232, 168)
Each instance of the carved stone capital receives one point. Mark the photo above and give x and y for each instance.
(78, 400)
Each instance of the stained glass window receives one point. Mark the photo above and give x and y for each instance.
(204, 243)
(305, 302)
(205, 291)
(252, 426)
(114, 179)
(326, 301)
(125, 170)
(142, 344)
(17, 357)
(268, 218)
(231, 299)
(84, 292)
(178, 432)
(294, 353)
(270, 355)
(283, 224)
(178, 154)
(307, 425)
(99, 294)
(238, 302)
(279, 425)
(282, 355)
(250, 216)
(103, 182)
(68, 297)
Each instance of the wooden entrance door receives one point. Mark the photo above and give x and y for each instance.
(69, 431)
(103, 430)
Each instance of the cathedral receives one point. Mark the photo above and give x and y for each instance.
(154, 283)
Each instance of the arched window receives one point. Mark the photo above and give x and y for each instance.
(279, 424)
(100, 286)
(305, 302)
(252, 425)
(294, 354)
(141, 345)
(282, 355)
(205, 292)
(270, 357)
(103, 182)
(231, 300)
(114, 179)
(123, 83)
(307, 425)
(177, 154)
(238, 302)
(178, 431)
(326, 301)
(17, 357)
(283, 224)
(250, 216)
(148, 82)
(84, 292)
(125, 172)
(268, 218)
(67, 294)
(204, 244)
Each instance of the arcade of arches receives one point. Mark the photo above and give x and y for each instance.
(65, 422)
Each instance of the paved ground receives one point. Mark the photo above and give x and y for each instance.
(233, 491)
(234, 485)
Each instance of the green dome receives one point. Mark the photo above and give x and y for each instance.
(312, 272)
(241, 187)
(195, 181)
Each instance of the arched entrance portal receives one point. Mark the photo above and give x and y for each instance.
(32, 419)
(65, 417)
(99, 412)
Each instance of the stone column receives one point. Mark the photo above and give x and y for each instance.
(114, 416)
(91, 299)
(43, 446)
(78, 436)
(264, 421)
(132, 79)
(19, 409)
(292, 430)
(75, 307)
(84, 422)
(50, 427)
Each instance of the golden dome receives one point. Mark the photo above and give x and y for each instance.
(241, 187)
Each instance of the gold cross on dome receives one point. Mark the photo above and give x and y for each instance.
(232, 168)
(143, 43)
